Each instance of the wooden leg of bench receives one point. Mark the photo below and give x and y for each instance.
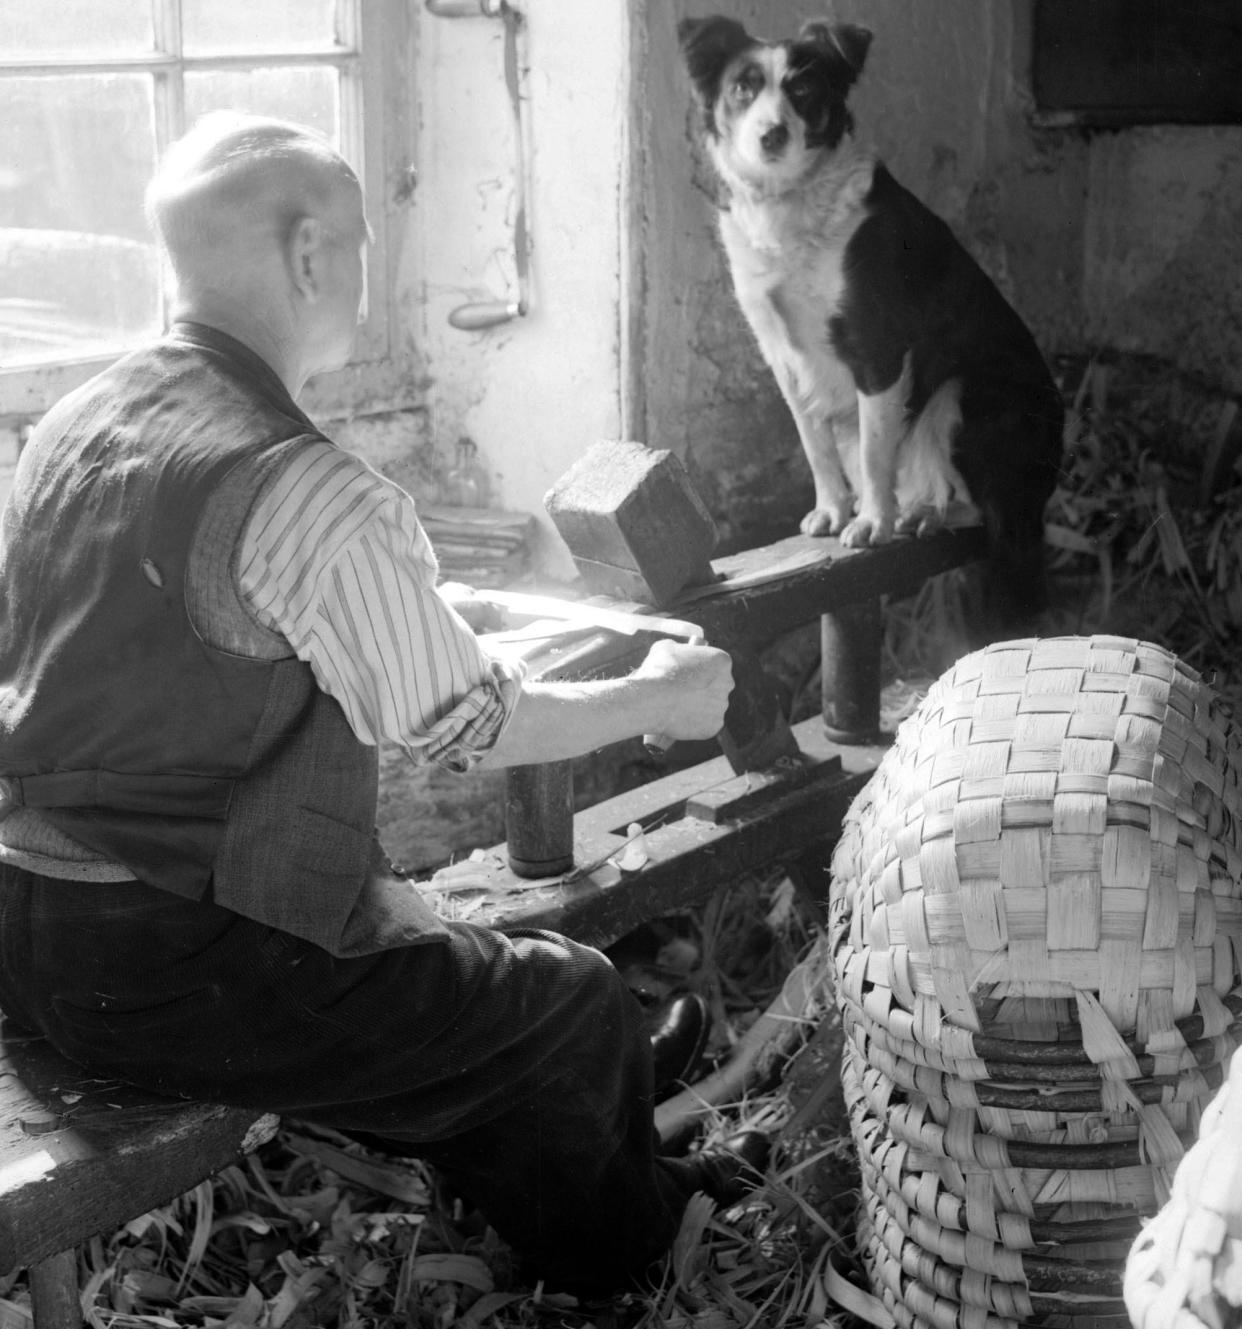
(850, 645)
(54, 1292)
(539, 818)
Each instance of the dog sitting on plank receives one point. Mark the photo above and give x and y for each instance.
(919, 395)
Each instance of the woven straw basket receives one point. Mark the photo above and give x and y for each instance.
(1036, 928)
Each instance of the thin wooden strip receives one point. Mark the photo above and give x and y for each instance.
(983, 915)
(1121, 968)
(986, 759)
(1074, 911)
(977, 817)
(1123, 917)
(1054, 681)
(1125, 859)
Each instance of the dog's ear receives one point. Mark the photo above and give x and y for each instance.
(844, 43)
(707, 46)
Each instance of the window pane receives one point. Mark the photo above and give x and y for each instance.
(78, 271)
(258, 25)
(307, 95)
(45, 28)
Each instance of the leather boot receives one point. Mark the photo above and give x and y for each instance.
(727, 1172)
(679, 1040)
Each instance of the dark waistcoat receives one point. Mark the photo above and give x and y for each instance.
(207, 773)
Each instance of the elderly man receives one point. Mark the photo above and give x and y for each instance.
(209, 617)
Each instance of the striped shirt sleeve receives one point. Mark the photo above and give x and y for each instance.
(335, 559)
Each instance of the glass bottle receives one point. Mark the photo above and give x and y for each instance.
(467, 484)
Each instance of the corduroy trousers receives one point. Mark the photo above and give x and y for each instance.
(519, 1065)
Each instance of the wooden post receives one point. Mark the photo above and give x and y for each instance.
(850, 645)
(54, 1297)
(539, 818)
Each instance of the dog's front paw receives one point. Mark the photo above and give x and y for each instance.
(865, 530)
(920, 523)
(823, 520)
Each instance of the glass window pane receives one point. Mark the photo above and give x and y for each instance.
(258, 25)
(78, 270)
(46, 28)
(307, 95)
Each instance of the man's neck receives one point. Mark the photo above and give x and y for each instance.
(268, 341)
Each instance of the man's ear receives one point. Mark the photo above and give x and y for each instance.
(303, 250)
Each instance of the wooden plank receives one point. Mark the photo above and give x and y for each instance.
(80, 1155)
(770, 590)
(746, 823)
(760, 594)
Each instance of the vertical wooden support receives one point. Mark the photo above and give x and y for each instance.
(539, 818)
(54, 1291)
(850, 645)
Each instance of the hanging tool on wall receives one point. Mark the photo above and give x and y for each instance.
(482, 314)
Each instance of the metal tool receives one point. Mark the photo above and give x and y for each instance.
(598, 616)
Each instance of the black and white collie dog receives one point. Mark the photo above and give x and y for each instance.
(919, 394)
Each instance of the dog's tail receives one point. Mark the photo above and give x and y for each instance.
(1015, 576)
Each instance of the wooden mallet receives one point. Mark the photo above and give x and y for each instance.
(638, 530)
(632, 521)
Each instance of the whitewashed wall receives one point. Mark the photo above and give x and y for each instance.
(537, 391)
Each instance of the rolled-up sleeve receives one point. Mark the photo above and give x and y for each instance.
(335, 560)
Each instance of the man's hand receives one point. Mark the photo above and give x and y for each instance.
(480, 615)
(697, 681)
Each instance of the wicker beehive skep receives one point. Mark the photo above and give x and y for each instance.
(1036, 927)
(1048, 823)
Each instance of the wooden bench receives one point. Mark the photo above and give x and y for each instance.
(80, 1156)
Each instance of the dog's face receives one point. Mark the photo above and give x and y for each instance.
(771, 108)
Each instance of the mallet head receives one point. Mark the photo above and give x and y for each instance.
(633, 522)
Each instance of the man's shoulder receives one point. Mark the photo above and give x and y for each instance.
(320, 473)
(315, 493)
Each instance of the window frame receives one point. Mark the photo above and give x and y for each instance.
(1083, 76)
(378, 60)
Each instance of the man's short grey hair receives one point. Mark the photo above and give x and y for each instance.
(235, 176)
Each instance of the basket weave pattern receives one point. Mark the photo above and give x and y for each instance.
(1036, 928)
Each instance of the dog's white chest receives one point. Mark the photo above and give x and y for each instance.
(790, 287)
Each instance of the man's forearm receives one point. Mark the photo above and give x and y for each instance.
(559, 720)
(678, 690)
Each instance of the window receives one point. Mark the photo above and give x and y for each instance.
(1113, 63)
(91, 91)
